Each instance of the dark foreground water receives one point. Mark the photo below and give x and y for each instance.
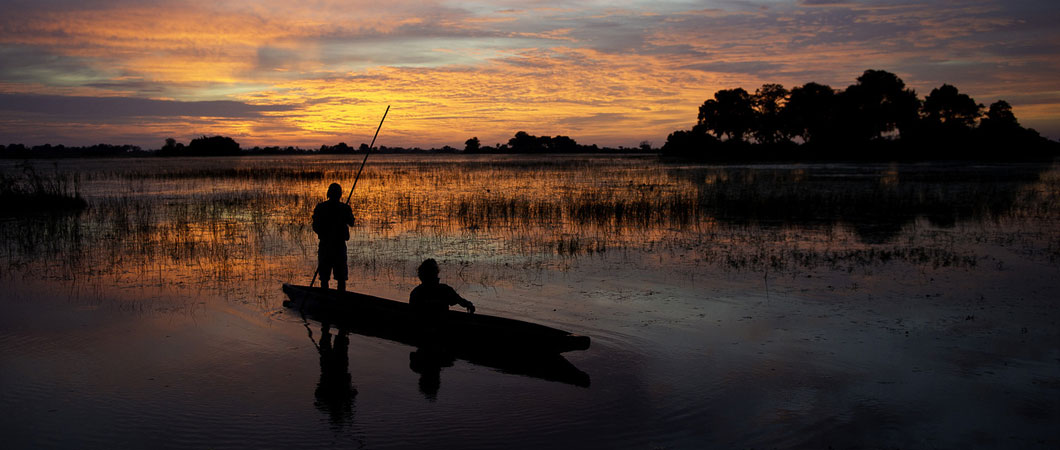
(794, 306)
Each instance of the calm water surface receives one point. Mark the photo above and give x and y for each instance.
(843, 306)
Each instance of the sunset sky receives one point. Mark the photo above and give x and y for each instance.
(306, 73)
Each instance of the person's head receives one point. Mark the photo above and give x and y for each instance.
(428, 271)
(334, 191)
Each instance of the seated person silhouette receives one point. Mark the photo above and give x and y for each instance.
(332, 220)
(431, 299)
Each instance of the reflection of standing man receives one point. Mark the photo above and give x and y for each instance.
(331, 222)
(335, 391)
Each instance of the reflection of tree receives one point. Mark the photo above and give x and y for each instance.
(335, 392)
(875, 204)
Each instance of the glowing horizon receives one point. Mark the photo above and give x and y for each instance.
(273, 73)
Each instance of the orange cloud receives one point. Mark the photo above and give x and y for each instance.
(451, 71)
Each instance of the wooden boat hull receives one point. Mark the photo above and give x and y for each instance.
(472, 334)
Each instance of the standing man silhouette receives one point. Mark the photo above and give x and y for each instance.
(332, 220)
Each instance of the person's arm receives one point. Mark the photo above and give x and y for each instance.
(316, 220)
(414, 297)
(456, 299)
(466, 304)
(349, 215)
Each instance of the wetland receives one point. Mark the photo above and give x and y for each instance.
(730, 306)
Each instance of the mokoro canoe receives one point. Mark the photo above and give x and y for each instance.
(460, 332)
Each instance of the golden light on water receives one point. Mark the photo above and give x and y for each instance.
(245, 222)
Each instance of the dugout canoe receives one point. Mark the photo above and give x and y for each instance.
(473, 335)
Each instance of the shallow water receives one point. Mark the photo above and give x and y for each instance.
(782, 306)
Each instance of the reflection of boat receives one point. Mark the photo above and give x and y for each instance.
(509, 345)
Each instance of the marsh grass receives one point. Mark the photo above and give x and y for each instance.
(238, 222)
(228, 173)
(28, 191)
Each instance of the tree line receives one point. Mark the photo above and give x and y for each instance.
(877, 117)
(522, 142)
(21, 151)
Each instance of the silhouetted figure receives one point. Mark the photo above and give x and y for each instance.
(335, 391)
(331, 222)
(431, 299)
(428, 361)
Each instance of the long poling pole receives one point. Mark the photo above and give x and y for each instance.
(358, 177)
(370, 146)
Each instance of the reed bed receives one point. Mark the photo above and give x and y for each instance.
(248, 222)
(28, 191)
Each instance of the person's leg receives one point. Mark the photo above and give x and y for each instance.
(340, 268)
(323, 265)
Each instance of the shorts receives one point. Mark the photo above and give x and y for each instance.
(331, 259)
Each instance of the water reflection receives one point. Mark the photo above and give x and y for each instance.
(236, 226)
(335, 392)
(432, 353)
(428, 362)
(876, 201)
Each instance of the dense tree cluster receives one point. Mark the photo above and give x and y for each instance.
(877, 117)
(202, 146)
(524, 142)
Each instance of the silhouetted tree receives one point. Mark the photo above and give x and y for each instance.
(689, 143)
(810, 111)
(21, 151)
(523, 142)
(171, 148)
(562, 144)
(879, 103)
(832, 123)
(999, 118)
(1001, 129)
(946, 107)
(730, 113)
(472, 145)
(340, 148)
(541, 144)
(769, 101)
(213, 146)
